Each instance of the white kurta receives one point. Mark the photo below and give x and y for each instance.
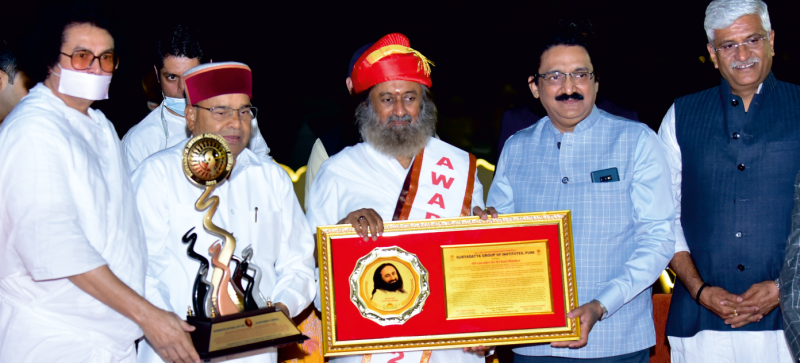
(68, 208)
(161, 129)
(361, 177)
(282, 246)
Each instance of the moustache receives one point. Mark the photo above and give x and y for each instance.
(574, 96)
(395, 118)
(747, 62)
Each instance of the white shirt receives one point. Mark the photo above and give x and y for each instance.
(361, 177)
(699, 347)
(162, 129)
(68, 208)
(278, 232)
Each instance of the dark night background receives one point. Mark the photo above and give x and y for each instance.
(299, 51)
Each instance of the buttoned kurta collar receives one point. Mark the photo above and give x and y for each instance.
(582, 126)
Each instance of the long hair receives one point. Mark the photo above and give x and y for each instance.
(378, 283)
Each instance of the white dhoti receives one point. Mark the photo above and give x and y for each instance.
(731, 347)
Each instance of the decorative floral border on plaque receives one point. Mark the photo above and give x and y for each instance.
(331, 347)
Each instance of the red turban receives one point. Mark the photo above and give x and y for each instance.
(215, 79)
(390, 59)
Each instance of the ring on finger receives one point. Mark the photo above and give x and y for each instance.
(735, 314)
(360, 218)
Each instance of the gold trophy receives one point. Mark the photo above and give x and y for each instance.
(229, 318)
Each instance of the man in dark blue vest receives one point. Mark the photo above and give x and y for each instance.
(734, 151)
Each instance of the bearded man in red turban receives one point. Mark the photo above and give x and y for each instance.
(387, 177)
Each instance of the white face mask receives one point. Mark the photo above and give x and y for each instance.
(83, 85)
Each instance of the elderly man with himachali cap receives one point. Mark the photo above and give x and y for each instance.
(388, 176)
(733, 155)
(257, 204)
(179, 48)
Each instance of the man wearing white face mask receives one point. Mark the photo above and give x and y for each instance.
(74, 256)
(179, 49)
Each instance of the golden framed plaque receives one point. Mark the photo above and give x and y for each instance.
(448, 283)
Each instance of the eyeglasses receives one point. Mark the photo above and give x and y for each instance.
(558, 78)
(755, 42)
(222, 113)
(83, 59)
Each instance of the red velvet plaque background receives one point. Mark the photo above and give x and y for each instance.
(350, 325)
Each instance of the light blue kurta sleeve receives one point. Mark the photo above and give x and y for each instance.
(653, 217)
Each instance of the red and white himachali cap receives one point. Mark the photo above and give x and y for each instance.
(215, 79)
(390, 59)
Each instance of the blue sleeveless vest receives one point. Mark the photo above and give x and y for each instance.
(737, 194)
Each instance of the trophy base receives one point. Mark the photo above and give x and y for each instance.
(242, 332)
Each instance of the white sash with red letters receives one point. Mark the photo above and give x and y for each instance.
(439, 184)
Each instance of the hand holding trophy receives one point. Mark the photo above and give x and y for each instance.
(230, 317)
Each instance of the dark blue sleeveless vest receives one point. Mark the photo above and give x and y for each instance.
(737, 194)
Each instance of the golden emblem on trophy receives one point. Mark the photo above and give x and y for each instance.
(232, 300)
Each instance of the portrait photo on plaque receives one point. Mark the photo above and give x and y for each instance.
(448, 283)
(389, 293)
(389, 285)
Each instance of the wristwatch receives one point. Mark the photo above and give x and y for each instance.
(605, 311)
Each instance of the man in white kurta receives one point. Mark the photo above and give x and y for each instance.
(361, 184)
(73, 254)
(67, 210)
(257, 204)
(361, 177)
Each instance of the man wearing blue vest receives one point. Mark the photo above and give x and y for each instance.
(611, 173)
(734, 151)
